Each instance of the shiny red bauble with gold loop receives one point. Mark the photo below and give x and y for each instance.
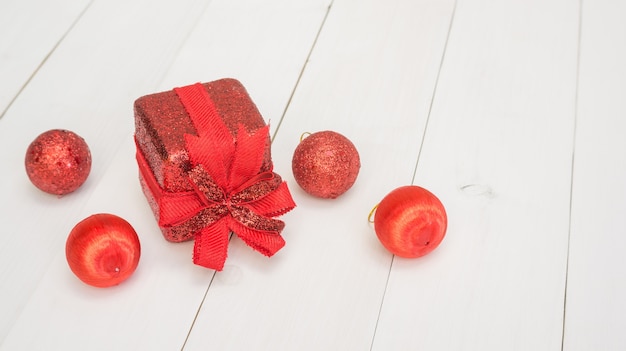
(410, 221)
(103, 250)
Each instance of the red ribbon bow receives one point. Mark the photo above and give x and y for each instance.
(231, 192)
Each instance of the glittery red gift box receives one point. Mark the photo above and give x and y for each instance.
(161, 122)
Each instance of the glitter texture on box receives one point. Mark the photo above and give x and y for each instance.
(205, 167)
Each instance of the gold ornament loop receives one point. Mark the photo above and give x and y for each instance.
(369, 217)
(304, 135)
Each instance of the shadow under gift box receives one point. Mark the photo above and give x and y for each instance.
(161, 122)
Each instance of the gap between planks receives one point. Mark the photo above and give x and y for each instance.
(571, 191)
(317, 35)
(45, 59)
(419, 152)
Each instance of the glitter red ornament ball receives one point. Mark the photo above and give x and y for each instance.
(410, 221)
(58, 161)
(326, 164)
(103, 250)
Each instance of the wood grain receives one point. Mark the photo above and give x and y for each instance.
(156, 307)
(370, 76)
(88, 86)
(510, 111)
(498, 153)
(597, 266)
(30, 30)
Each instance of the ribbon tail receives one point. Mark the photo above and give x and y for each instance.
(211, 245)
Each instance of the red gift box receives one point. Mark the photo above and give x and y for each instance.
(205, 167)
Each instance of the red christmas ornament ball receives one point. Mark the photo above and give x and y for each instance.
(326, 164)
(103, 250)
(58, 161)
(410, 221)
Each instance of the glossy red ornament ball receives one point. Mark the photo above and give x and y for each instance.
(58, 161)
(410, 221)
(326, 164)
(103, 250)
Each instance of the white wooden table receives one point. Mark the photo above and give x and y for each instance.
(513, 112)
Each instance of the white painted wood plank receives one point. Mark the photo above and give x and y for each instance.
(265, 50)
(115, 53)
(370, 77)
(29, 31)
(155, 308)
(596, 308)
(498, 152)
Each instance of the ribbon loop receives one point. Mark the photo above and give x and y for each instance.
(206, 189)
